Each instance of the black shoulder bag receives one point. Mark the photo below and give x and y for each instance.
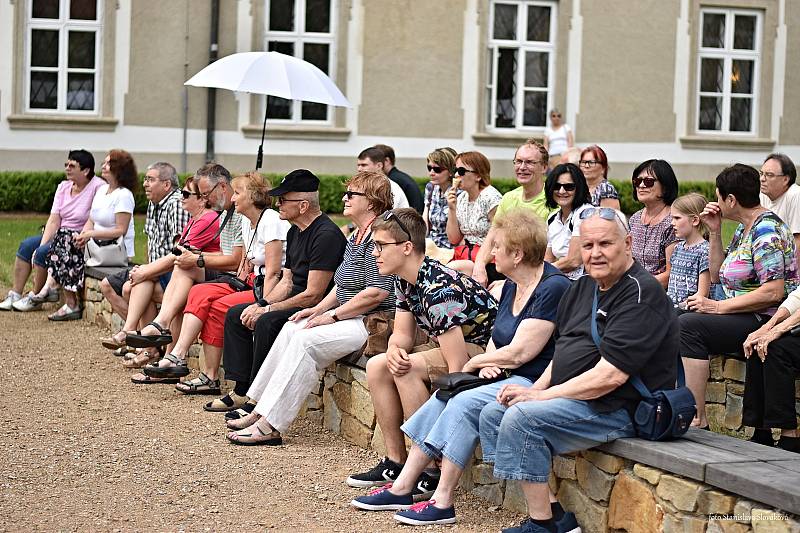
(663, 414)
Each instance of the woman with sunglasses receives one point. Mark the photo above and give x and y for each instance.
(558, 137)
(470, 215)
(594, 165)
(148, 281)
(566, 190)
(315, 337)
(652, 233)
(441, 169)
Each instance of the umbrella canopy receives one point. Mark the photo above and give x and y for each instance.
(273, 74)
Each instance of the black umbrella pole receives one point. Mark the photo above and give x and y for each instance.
(260, 156)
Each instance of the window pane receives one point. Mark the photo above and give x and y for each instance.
(318, 16)
(713, 30)
(278, 107)
(505, 21)
(742, 76)
(535, 109)
(317, 55)
(81, 49)
(744, 33)
(283, 48)
(281, 15)
(740, 114)
(538, 23)
(80, 91)
(44, 48)
(505, 110)
(536, 64)
(710, 113)
(44, 90)
(83, 9)
(45, 9)
(314, 111)
(711, 75)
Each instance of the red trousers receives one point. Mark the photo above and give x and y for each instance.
(209, 302)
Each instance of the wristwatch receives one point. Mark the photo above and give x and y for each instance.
(200, 261)
(333, 316)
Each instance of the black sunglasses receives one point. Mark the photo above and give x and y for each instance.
(389, 215)
(569, 187)
(606, 213)
(186, 194)
(350, 194)
(435, 168)
(461, 171)
(648, 182)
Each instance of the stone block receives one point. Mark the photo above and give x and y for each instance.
(514, 499)
(596, 483)
(482, 474)
(797, 389)
(715, 502)
(564, 467)
(633, 507)
(715, 412)
(361, 405)
(91, 312)
(681, 492)
(377, 441)
(329, 380)
(608, 463)
(333, 416)
(715, 392)
(343, 373)
(492, 493)
(116, 320)
(552, 482)
(735, 370)
(193, 363)
(465, 483)
(312, 403)
(744, 508)
(733, 412)
(684, 524)
(768, 521)
(715, 368)
(360, 376)
(195, 350)
(726, 526)
(315, 416)
(341, 395)
(736, 388)
(592, 516)
(106, 305)
(651, 475)
(356, 432)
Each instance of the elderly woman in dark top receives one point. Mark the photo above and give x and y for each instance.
(756, 272)
(316, 337)
(521, 345)
(594, 165)
(654, 185)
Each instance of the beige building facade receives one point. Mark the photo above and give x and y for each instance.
(700, 83)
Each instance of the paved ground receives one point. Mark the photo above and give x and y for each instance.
(82, 449)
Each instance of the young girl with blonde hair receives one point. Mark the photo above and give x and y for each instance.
(689, 272)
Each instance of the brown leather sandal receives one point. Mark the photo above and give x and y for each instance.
(144, 357)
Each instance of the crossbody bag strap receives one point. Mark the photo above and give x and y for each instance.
(228, 215)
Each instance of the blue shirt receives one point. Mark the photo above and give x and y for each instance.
(543, 305)
(686, 264)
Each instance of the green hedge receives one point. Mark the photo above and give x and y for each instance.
(33, 191)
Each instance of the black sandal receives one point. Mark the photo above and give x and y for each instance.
(241, 412)
(202, 384)
(178, 370)
(150, 341)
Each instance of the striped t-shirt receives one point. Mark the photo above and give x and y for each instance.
(359, 271)
(231, 235)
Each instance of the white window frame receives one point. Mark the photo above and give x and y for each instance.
(728, 54)
(64, 25)
(300, 37)
(523, 46)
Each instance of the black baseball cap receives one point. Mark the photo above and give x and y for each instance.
(300, 180)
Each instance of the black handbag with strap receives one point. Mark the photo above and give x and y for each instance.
(451, 384)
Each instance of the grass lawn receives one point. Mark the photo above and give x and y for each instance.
(16, 226)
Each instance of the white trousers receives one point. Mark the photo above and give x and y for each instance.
(292, 367)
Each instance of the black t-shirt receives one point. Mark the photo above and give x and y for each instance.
(638, 329)
(410, 188)
(318, 247)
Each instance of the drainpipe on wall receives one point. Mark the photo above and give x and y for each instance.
(185, 117)
(213, 54)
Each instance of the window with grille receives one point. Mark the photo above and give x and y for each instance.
(728, 70)
(520, 64)
(304, 29)
(62, 56)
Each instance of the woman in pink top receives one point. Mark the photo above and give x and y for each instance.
(70, 210)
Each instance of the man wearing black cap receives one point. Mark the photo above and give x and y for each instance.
(314, 249)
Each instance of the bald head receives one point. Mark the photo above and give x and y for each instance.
(605, 249)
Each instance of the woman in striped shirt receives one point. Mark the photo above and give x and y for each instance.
(316, 337)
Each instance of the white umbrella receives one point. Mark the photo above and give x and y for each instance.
(273, 74)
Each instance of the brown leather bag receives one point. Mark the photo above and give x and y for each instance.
(380, 326)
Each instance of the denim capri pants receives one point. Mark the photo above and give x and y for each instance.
(30, 245)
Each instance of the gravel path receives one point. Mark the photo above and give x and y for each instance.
(83, 449)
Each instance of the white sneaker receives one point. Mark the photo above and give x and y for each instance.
(27, 303)
(7, 304)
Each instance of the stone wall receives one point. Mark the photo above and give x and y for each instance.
(96, 309)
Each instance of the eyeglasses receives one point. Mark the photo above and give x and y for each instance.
(557, 115)
(186, 194)
(281, 200)
(379, 245)
(350, 194)
(389, 215)
(589, 163)
(647, 181)
(70, 165)
(569, 187)
(769, 175)
(148, 179)
(606, 213)
(206, 194)
(435, 168)
(462, 170)
(525, 163)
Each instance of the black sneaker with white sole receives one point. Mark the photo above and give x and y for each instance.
(384, 472)
(425, 487)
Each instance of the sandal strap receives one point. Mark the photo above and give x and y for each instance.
(175, 359)
(159, 327)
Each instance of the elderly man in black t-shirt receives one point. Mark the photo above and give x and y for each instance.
(583, 398)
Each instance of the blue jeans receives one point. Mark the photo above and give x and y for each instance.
(521, 440)
(451, 429)
(30, 245)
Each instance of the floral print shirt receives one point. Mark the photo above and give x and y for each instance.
(436, 202)
(473, 217)
(650, 241)
(443, 299)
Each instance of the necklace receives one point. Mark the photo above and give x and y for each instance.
(522, 290)
(360, 235)
(647, 223)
